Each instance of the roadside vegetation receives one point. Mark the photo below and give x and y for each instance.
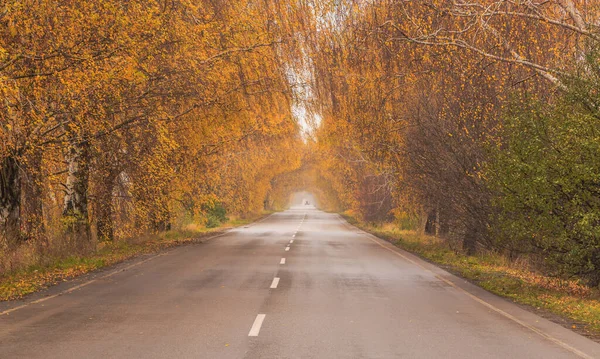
(121, 121)
(469, 133)
(517, 280)
(476, 123)
(50, 270)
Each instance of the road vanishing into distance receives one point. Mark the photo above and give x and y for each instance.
(298, 284)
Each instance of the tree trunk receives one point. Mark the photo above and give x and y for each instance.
(104, 224)
(160, 221)
(32, 208)
(75, 207)
(423, 223)
(160, 218)
(267, 203)
(189, 205)
(444, 222)
(104, 208)
(430, 223)
(437, 221)
(470, 240)
(10, 200)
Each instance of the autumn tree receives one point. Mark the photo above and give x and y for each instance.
(117, 118)
(413, 92)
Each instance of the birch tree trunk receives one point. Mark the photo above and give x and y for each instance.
(75, 206)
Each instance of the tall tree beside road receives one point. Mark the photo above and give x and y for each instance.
(115, 117)
(415, 95)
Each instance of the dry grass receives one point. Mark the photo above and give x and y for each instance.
(31, 268)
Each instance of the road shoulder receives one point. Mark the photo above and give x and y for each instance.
(578, 344)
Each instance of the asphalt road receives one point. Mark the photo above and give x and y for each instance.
(335, 293)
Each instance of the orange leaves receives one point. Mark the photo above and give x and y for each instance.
(411, 91)
(180, 104)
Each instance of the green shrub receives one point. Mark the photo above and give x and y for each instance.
(216, 215)
(546, 174)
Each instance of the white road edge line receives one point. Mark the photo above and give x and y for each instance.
(260, 318)
(110, 274)
(275, 283)
(282, 261)
(541, 333)
(79, 286)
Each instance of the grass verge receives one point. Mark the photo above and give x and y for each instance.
(17, 284)
(576, 305)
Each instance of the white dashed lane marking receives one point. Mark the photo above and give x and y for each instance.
(282, 261)
(260, 318)
(275, 283)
